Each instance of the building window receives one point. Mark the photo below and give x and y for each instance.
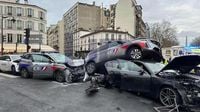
(41, 15)
(19, 38)
(41, 27)
(112, 37)
(30, 12)
(10, 38)
(10, 24)
(120, 37)
(19, 11)
(107, 37)
(30, 25)
(9, 10)
(19, 24)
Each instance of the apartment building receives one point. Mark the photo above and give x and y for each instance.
(26, 16)
(94, 39)
(83, 16)
(55, 36)
(128, 17)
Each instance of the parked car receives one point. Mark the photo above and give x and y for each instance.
(55, 65)
(135, 50)
(171, 83)
(9, 63)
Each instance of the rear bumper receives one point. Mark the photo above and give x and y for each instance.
(151, 54)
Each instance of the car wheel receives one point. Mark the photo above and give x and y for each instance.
(134, 53)
(90, 68)
(169, 97)
(59, 76)
(69, 77)
(13, 70)
(24, 73)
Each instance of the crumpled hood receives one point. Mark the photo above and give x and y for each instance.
(183, 63)
(76, 62)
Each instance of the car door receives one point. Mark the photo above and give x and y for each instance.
(102, 53)
(112, 50)
(8, 63)
(133, 77)
(5, 63)
(41, 65)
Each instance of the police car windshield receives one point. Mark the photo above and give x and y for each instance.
(60, 58)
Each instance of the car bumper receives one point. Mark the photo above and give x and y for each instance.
(152, 55)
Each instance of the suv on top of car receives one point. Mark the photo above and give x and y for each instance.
(134, 50)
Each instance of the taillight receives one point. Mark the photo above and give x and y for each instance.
(125, 46)
(55, 67)
(143, 44)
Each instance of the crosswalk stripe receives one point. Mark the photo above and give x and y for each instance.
(8, 76)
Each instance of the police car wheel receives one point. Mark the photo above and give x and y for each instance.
(24, 73)
(59, 76)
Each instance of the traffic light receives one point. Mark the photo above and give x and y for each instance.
(27, 36)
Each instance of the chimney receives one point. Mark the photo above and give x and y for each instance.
(93, 3)
(25, 1)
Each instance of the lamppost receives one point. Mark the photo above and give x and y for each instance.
(2, 38)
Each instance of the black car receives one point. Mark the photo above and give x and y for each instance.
(172, 83)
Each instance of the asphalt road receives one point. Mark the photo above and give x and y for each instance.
(36, 95)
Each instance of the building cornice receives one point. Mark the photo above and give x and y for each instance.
(24, 5)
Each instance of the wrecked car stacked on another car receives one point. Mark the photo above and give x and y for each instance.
(136, 66)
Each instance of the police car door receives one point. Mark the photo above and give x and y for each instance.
(41, 65)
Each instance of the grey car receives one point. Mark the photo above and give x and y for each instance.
(134, 50)
(53, 65)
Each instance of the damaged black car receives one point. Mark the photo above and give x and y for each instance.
(176, 82)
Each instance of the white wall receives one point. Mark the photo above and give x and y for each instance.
(126, 16)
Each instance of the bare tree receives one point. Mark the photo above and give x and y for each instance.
(195, 42)
(165, 33)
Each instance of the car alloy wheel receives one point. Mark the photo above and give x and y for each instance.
(168, 96)
(24, 73)
(90, 68)
(59, 77)
(135, 53)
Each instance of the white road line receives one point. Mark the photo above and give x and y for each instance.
(66, 84)
(8, 76)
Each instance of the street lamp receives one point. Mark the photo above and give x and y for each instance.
(2, 38)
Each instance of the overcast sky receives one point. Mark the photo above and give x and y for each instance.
(184, 14)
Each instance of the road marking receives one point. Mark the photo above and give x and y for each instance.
(66, 84)
(8, 76)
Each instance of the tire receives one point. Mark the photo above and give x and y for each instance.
(59, 76)
(168, 95)
(134, 53)
(24, 73)
(13, 70)
(90, 68)
(69, 77)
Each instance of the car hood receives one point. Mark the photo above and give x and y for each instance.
(183, 63)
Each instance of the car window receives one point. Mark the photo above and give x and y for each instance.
(128, 66)
(103, 47)
(112, 64)
(15, 57)
(113, 44)
(40, 58)
(2, 58)
(26, 56)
